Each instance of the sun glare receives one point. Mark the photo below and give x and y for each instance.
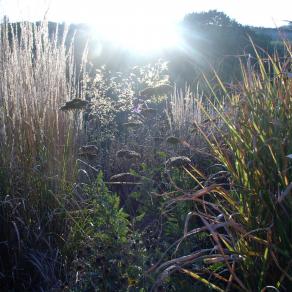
(140, 26)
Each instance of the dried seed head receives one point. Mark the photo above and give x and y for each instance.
(178, 161)
(124, 177)
(159, 90)
(74, 104)
(147, 92)
(173, 140)
(88, 150)
(163, 89)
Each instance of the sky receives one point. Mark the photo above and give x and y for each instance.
(250, 12)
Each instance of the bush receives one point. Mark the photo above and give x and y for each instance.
(107, 254)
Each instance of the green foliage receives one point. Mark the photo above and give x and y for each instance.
(116, 106)
(30, 230)
(108, 255)
(111, 98)
(259, 140)
(248, 221)
(112, 95)
(160, 222)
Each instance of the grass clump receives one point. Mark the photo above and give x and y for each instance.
(38, 147)
(248, 221)
(37, 78)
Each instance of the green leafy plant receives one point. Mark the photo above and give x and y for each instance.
(107, 254)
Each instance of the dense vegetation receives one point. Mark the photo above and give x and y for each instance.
(169, 176)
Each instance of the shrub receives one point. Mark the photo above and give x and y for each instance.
(107, 254)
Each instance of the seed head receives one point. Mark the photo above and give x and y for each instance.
(74, 104)
(124, 177)
(178, 161)
(88, 150)
(172, 140)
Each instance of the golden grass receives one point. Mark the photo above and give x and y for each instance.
(37, 78)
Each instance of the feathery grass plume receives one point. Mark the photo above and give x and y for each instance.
(37, 76)
(74, 104)
(185, 109)
(128, 154)
(38, 156)
(252, 240)
(178, 161)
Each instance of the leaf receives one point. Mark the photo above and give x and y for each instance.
(202, 280)
(161, 154)
(140, 217)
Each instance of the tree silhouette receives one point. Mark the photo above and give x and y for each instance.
(213, 40)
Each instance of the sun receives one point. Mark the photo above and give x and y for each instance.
(140, 26)
(141, 36)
